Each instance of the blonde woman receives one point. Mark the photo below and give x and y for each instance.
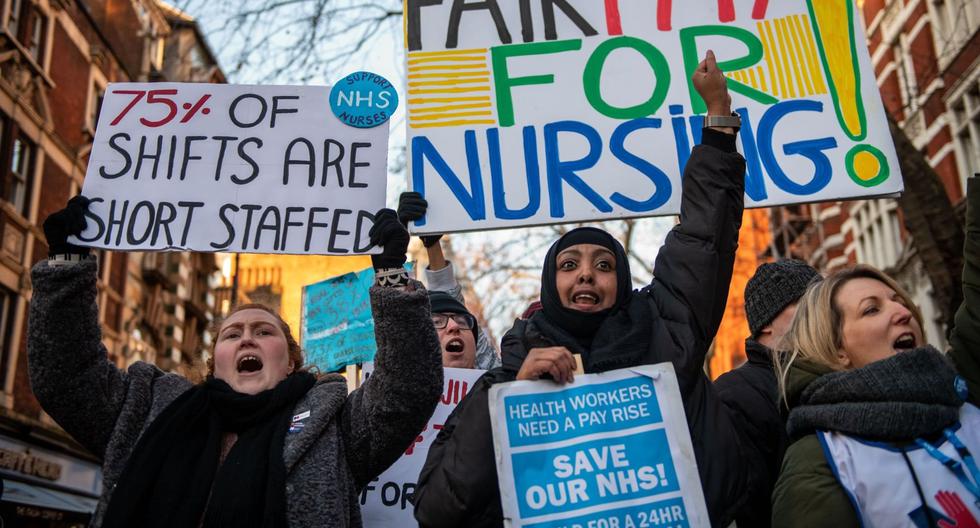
(884, 427)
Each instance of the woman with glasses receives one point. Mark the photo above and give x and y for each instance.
(590, 308)
(457, 330)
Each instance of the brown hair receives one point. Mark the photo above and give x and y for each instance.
(295, 352)
(817, 331)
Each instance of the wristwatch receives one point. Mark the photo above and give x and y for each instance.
(733, 121)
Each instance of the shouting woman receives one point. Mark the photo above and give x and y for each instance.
(262, 442)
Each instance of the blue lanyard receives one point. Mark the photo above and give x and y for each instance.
(955, 465)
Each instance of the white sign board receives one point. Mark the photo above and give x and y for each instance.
(611, 449)
(217, 167)
(530, 113)
(385, 501)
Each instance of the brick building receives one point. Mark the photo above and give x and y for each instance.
(926, 57)
(56, 59)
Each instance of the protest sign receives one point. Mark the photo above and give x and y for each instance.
(541, 112)
(336, 325)
(385, 500)
(217, 167)
(610, 450)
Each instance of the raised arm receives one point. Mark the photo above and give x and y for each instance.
(383, 416)
(71, 376)
(440, 274)
(695, 263)
(70, 373)
(965, 337)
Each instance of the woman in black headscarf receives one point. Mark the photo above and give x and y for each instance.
(589, 308)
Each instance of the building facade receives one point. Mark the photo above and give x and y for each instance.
(56, 59)
(926, 58)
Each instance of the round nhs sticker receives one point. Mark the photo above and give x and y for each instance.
(363, 99)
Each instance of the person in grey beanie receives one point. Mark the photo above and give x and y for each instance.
(751, 391)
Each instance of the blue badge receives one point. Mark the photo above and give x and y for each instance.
(961, 389)
(363, 100)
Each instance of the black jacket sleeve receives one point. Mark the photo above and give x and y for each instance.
(965, 337)
(692, 276)
(696, 260)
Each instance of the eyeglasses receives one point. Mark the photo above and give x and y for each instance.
(464, 321)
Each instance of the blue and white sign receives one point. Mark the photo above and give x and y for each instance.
(610, 450)
(363, 99)
(337, 326)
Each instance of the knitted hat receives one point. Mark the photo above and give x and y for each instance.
(775, 286)
(442, 302)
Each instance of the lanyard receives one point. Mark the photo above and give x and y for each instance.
(955, 465)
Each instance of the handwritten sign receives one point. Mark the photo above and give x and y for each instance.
(336, 323)
(215, 167)
(385, 501)
(611, 449)
(542, 112)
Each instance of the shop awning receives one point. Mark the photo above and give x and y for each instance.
(34, 495)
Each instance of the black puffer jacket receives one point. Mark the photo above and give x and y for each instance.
(458, 485)
(752, 394)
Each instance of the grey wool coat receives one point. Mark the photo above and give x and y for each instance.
(347, 439)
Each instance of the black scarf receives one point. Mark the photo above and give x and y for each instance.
(907, 396)
(173, 474)
(583, 326)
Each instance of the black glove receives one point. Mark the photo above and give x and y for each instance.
(411, 207)
(392, 236)
(61, 224)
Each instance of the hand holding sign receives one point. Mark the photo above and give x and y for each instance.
(556, 361)
(389, 233)
(412, 207)
(61, 224)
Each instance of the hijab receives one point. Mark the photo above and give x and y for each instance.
(582, 325)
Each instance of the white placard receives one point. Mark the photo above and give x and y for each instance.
(531, 113)
(218, 167)
(610, 449)
(385, 500)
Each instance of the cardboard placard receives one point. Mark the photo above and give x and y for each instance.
(610, 449)
(235, 168)
(541, 112)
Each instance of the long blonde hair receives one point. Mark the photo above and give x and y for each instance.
(816, 332)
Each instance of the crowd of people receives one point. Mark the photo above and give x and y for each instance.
(842, 416)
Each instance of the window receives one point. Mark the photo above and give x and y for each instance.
(877, 234)
(19, 173)
(965, 125)
(13, 19)
(27, 24)
(955, 22)
(7, 302)
(96, 95)
(34, 37)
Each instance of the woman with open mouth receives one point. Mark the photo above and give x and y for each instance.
(884, 428)
(590, 308)
(262, 442)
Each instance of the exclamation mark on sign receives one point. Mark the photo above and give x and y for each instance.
(833, 24)
(663, 475)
